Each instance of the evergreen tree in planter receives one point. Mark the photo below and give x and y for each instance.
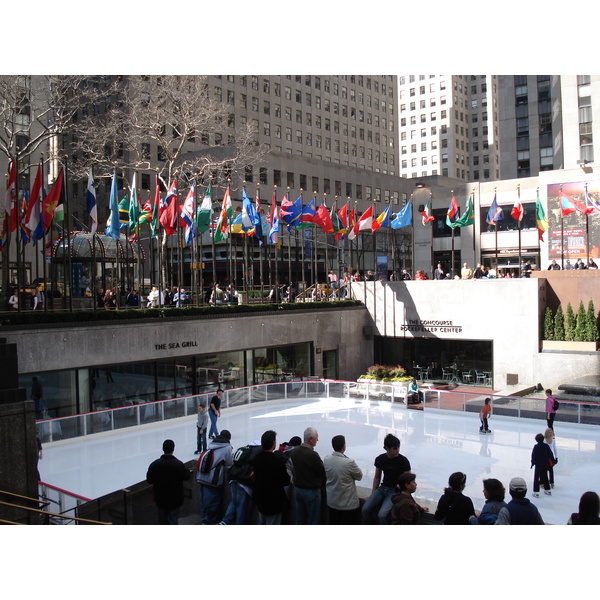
(559, 324)
(591, 323)
(580, 323)
(548, 324)
(570, 323)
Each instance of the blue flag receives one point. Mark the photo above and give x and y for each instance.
(403, 218)
(113, 227)
(495, 213)
(250, 218)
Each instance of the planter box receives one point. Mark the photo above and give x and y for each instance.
(569, 346)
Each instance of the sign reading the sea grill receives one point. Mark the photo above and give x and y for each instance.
(174, 345)
(431, 326)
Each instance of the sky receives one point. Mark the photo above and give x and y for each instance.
(315, 37)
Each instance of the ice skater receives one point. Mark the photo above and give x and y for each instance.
(484, 415)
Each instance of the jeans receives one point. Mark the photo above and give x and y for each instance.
(239, 505)
(210, 504)
(270, 519)
(213, 423)
(201, 440)
(308, 506)
(379, 501)
(168, 516)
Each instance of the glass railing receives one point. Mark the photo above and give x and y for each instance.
(151, 412)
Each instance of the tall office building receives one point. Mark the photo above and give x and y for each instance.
(448, 125)
(547, 123)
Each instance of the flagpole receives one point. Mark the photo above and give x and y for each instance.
(41, 193)
(562, 231)
(289, 248)
(452, 192)
(519, 224)
(260, 247)
(44, 268)
(69, 275)
(587, 231)
(16, 209)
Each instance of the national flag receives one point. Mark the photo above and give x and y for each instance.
(568, 204)
(133, 210)
(591, 203)
(290, 212)
(11, 197)
(427, 216)
(274, 220)
(4, 231)
(154, 224)
(403, 218)
(308, 213)
(90, 202)
(113, 227)
(343, 217)
(187, 213)
(338, 228)
(124, 212)
(258, 229)
(167, 213)
(204, 212)
(146, 213)
(494, 213)
(383, 220)
(453, 213)
(32, 217)
(250, 218)
(59, 213)
(352, 219)
(468, 217)
(25, 233)
(364, 223)
(221, 231)
(540, 219)
(517, 210)
(323, 219)
(237, 225)
(52, 200)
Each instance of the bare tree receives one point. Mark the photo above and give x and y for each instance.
(172, 125)
(35, 111)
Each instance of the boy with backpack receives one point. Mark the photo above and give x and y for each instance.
(211, 467)
(241, 483)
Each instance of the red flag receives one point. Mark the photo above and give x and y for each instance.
(365, 222)
(51, 201)
(167, 213)
(517, 211)
(343, 217)
(323, 219)
(11, 197)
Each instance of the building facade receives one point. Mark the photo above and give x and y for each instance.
(449, 126)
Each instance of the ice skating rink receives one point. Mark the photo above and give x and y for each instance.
(233, 562)
(437, 443)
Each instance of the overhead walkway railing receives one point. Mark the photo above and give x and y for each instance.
(151, 412)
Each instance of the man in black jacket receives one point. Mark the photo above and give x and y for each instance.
(167, 474)
(270, 481)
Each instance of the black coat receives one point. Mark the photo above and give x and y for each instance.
(270, 479)
(167, 475)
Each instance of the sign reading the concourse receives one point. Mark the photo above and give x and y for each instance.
(431, 326)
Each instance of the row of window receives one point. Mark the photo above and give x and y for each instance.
(320, 103)
(317, 82)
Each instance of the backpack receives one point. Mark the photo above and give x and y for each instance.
(242, 470)
(205, 461)
(556, 405)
